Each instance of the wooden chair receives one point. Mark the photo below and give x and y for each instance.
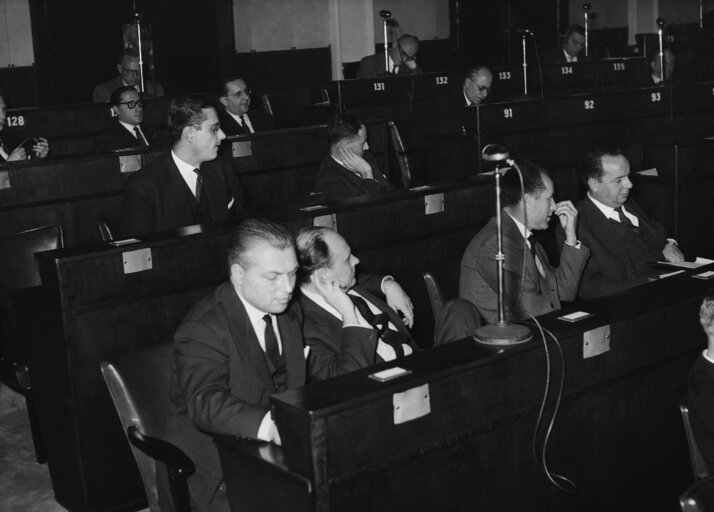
(138, 382)
(699, 465)
(18, 270)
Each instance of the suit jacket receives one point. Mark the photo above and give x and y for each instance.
(221, 382)
(336, 350)
(372, 66)
(338, 182)
(260, 120)
(478, 282)
(118, 137)
(556, 54)
(618, 259)
(157, 198)
(700, 398)
(102, 92)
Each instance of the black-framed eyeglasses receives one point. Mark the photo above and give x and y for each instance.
(481, 88)
(132, 104)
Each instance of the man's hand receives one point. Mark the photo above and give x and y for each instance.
(568, 216)
(18, 153)
(672, 253)
(337, 298)
(355, 163)
(41, 148)
(398, 300)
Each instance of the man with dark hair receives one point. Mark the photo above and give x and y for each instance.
(189, 184)
(126, 130)
(129, 74)
(401, 60)
(700, 396)
(236, 116)
(12, 149)
(530, 284)
(349, 170)
(571, 49)
(346, 326)
(623, 241)
(235, 348)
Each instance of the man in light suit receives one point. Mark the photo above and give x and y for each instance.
(236, 116)
(234, 349)
(402, 60)
(126, 130)
(129, 74)
(623, 240)
(541, 288)
(341, 333)
(189, 184)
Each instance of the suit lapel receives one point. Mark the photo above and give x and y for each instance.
(291, 337)
(244, 336)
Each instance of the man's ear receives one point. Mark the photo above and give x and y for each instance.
(223, 101)
(119, 68)
(237, 273)
(115, 111)
(593, 184)
(322, 275)
(187, 133)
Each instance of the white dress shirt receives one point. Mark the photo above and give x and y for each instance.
(610, 212)
(238, 119)
(187, 172)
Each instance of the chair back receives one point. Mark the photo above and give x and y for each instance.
(699, 465)
(138, 382)
(108, 229)
(401, 154)
(18, 268)
(442, 284)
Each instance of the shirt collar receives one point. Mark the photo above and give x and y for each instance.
(129, 127)
(568, 57)
(525, 232)
(237, 118)
(254, 314)
(468, 101)
(610, 212)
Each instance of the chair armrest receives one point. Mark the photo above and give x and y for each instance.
(174, 458)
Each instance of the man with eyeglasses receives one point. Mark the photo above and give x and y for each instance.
(402, 60)
(129, 74)
(236, 116)
(126, 130)
(571, 49)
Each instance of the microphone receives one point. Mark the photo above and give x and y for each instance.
(494, 153)
(385, 14)
(586, 7)
(660, 22)
(519, 31)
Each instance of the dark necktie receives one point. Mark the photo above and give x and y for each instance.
(140, 136)
(381, 323)
(271, 342)
(624, 219)
(199, 185)
(532, 242)
(245, 124)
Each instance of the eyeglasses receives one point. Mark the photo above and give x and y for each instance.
(132, 104)
(481, 88)
(238, 94)
(130, 71)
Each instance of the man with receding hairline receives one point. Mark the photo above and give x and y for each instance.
(401, 60)
(233, 350)
(236, 116)
(189, 184)
(129, 74)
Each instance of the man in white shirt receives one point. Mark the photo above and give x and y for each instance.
(126, 129)
(129, 71)
(235, 348)
(401, 60)
(236, 116)
(347, 327)
(477, 85)
(571, 50)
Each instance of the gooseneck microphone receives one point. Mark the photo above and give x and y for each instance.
(385, 14)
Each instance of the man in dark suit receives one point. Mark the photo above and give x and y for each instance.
(340, 325)
(189, 184)
(623, 241)
(401, 60)
(571, 50)
(129, 74)
(236, 116)
(13, 149)
(349, 170)
(449, 115)
(126, 130)
(234, 349)
(534, 286)
(700, 396)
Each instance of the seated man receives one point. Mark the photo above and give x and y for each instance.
(571, 49)
(234, 349)
(401, 60)
(12, 148)
(129, 74)
(346, 326)
(126, 130)
(448, 116)
(541, 288)
(622, 240)
(349, 170)
(656, 67)
(189, 184)
(236, 116)
(700, 396)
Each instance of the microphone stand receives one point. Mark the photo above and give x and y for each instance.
(701, 15)
(586, 11)
(525, 67)
(500, 333)
(660, 25)
(385, 16)
(137, 17)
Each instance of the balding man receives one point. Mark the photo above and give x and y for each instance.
(402, 60)
(129, 74)
(236, 115)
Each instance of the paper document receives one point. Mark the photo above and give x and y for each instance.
(699, 262)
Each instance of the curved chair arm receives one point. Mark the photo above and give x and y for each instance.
(178, 464)
(699, 497)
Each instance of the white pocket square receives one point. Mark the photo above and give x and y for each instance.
(230, 204)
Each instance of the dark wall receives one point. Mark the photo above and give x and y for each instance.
(76, 43)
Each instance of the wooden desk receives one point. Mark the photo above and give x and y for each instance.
(618, 434)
